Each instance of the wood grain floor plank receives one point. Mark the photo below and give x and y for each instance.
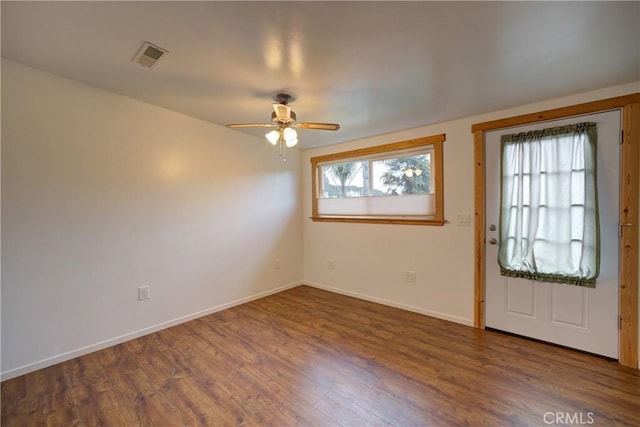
(309, 357)
(347, 413)
(96, 399)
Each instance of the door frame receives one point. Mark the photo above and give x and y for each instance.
(629, 195)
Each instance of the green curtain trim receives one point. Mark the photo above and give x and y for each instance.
(585, 127)
(541, 277)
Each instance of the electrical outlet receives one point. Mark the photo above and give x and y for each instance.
(331, 264)
(143, 293)
(410, 276)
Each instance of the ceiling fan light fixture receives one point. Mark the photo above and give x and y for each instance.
(290, 134)
(273, 137)
(291, 142)
(412, 171)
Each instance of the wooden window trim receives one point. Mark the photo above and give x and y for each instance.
(629, 210)
(435, 140)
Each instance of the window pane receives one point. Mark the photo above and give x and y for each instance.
(402, 175)
(354, 186)
(347, 179)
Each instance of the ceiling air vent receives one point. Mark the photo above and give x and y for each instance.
(149, 54)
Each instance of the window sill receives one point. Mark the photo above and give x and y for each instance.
(432, 222)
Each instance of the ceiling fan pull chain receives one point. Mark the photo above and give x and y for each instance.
(283, 149)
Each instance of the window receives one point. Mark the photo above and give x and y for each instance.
(549, 210)
(399, 183)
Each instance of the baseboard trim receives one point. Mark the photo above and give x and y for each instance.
(436, 314)
(16, 372)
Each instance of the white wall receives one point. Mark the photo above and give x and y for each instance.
(370, 258)
(102, 194)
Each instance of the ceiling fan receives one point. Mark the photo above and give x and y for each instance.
(283, 119)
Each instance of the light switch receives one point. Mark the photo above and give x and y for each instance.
(463, 220)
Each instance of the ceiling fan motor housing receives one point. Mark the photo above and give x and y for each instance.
(283, 98)
(291, 118)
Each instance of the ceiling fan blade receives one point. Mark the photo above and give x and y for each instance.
(319, 126)
(283, 112)
(251, 125)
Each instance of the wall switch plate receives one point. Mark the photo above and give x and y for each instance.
(143, 293)
(276, 265)
(331, 264)
(463, 220)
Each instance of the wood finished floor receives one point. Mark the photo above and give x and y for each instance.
(314, 358)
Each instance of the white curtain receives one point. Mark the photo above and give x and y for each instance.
(549, 213)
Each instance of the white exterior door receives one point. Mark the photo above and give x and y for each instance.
(577, 317)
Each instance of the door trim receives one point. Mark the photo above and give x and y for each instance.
(629, 209)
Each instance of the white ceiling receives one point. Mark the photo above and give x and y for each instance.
(373, 67)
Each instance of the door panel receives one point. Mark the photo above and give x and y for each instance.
(521, 298)
(573, 312)
(573, 316)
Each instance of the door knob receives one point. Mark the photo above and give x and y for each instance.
(492, 241)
